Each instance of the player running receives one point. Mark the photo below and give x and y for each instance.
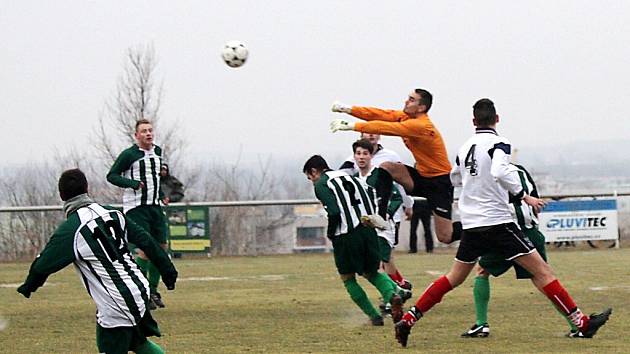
(484, 174)
(95, 238)
(355, 246)
(527, 220)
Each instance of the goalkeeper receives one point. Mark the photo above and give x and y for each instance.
(430, 176)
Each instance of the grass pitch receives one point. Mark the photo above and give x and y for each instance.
(297, 304)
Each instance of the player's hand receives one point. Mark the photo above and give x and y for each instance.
(408, 213)
(166, 200)
(536, 203)
(341, 124)
(169, 280)
(140, 186)
(339, 107)
(24, 291)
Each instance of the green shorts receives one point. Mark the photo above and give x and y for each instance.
(152, 219)
(384, 250)
(357, 251)
(124, 339)
(496, 265)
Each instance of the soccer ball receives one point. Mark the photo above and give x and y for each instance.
(234, 54)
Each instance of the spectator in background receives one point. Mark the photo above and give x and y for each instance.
(171, 187)
(421, 212)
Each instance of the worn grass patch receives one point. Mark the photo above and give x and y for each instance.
(297, 304)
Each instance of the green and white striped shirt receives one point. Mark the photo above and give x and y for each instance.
(344, 196)
(135, 165)
(95, 238)
(523, 213)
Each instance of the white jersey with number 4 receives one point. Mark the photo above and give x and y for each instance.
(482, 169)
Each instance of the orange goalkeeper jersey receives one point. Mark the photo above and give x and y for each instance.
(419, 134)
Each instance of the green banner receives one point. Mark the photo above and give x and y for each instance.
(189, 229)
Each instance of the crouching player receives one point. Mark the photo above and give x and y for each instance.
(355, 246)
(95, 238)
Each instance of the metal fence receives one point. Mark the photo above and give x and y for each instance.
(250, 227)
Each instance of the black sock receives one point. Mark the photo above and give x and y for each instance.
(384, 185)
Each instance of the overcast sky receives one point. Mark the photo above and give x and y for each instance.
(557, 70)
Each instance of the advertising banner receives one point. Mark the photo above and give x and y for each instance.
(189, 229)
(579, 220)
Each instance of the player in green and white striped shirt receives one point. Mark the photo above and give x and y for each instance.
(95, 238)
(137, 170)
(355, 246)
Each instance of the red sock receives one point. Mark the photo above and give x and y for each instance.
(563, 301)
(397, 277)
(433, 294)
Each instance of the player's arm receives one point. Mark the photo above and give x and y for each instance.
(115, 177)
(411, 128)
(507, 175)
(143, 240)
(57, 254)
(371, 113)
(329, 202)
(456, 174)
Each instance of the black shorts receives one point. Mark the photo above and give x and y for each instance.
(438, 191)
(504, 240)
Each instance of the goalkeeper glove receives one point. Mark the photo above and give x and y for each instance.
(341, 108)
(169, 280)
(341, 124)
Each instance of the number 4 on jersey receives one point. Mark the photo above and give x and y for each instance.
(470, 162)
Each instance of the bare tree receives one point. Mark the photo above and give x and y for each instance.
(138, 95)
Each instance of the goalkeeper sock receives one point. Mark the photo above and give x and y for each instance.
(383, 284)
(383, 186)
(481, 294)
(358, 295)
(149, 347)
(143, 264)
(153, 276)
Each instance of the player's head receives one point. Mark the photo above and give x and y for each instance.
(419, 101)
(363, 150)
(72, 183)
(484, 113)
(164, 170)
(314, 167)
(144, 133)
(373, 138)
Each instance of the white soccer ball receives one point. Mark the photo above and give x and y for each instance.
(234, 54)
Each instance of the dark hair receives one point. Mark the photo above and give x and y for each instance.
(363, 143)
(426, 98)
(484, 112)
(142, 121)
(315, 162)
(72, 183)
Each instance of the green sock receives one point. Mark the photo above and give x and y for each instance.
(153, 276)
(566, 318)
(481, 294)
(143, 264)
(149, 347)
(384, 284)
(360, 298)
